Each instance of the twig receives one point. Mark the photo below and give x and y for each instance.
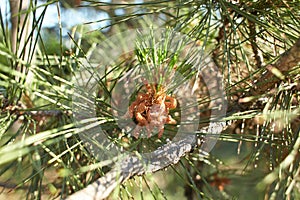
(286, 62)
(253, 41)
(269, 78)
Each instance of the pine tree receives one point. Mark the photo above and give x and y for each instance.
(167, 100)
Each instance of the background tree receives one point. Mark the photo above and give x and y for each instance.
(254, 44)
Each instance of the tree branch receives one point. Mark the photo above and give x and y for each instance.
(167, 155)
(171, 153)
(286, 62)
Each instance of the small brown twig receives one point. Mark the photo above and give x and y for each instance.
(267, 81)
(253, 42)
(287, 61)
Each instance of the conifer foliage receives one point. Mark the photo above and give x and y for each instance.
(157, 99)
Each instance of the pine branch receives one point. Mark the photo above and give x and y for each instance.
(286, 62)
(167, 155)
(171, 153)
